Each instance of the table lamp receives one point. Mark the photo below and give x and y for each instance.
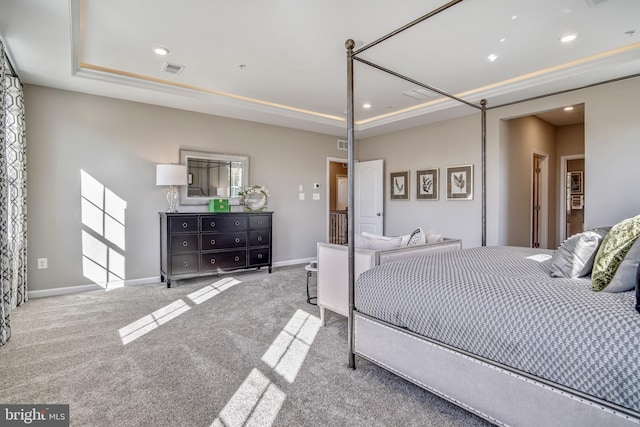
(173, 176)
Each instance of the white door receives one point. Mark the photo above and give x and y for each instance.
(369, 197)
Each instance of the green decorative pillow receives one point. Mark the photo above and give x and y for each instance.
(612, 251)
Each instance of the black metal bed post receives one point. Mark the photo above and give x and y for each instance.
(349, 45)
(483, 104)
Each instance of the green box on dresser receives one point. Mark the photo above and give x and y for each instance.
(199, 244)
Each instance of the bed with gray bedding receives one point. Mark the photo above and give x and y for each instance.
(500, 304)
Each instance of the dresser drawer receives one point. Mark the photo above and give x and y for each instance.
(183, 224)
(259, 221)
(187, 263)
(211, 241)
(259, 238)
(224, 222)
(211, 261)
(259, 256)
(181, 243)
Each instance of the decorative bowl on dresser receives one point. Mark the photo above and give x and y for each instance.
(199, 244)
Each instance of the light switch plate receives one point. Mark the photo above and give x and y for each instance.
(301, 196)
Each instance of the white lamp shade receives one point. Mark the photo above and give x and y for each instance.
(171, 175)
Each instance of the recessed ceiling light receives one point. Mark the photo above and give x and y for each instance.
(366, 105)
(514, 17)
(569, 108)
(502, 40)
(492, 57)
(568, 38)
(160, 50)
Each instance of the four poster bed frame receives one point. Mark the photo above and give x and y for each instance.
(493, 391)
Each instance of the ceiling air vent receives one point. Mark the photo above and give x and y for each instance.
(172, 68)
(343, 145)
(420, 93)
(594, 3)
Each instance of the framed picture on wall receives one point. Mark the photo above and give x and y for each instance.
(427, 184)
(576, 181)
(399, 185)
(460, 182)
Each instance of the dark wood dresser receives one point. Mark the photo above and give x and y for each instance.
(198, 244)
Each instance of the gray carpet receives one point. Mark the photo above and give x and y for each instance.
(204, 363)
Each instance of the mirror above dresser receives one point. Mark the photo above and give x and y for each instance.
(212, 175)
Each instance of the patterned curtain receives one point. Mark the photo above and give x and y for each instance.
(13, 197)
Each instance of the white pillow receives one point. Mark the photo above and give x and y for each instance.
(375, 236)
(383, 244)
(361, 243)
(434, 237)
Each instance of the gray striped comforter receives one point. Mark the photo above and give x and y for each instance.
(496, 303)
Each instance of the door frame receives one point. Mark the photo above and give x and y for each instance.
(543, 215)
(562, 212)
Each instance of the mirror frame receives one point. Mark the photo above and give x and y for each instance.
(185, 155)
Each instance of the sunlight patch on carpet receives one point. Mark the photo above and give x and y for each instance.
(210, 291)
(256, 403)
(142, 326)
(290, 348)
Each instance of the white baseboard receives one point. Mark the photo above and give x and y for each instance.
(90, 287)
(293, 262)
(134, 282)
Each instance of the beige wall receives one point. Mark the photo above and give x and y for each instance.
(119, 143)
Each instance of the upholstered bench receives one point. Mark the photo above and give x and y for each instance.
(333, 268)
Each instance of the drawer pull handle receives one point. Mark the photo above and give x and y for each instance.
(213, 261)
(237, 240)
(259, 222)
(213, 241)
(237, 258)
(185, 264)
(213, 223)
(185, 225)
(259, 256)
(259, 238)
(237, 223)
(185, 243)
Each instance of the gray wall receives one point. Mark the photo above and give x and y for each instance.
(119, 143)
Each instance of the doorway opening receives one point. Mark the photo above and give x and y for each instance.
(572, 195)
(337, 201)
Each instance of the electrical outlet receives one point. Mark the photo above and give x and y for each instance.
(42, 263)
(301, 196)
(316, 196)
